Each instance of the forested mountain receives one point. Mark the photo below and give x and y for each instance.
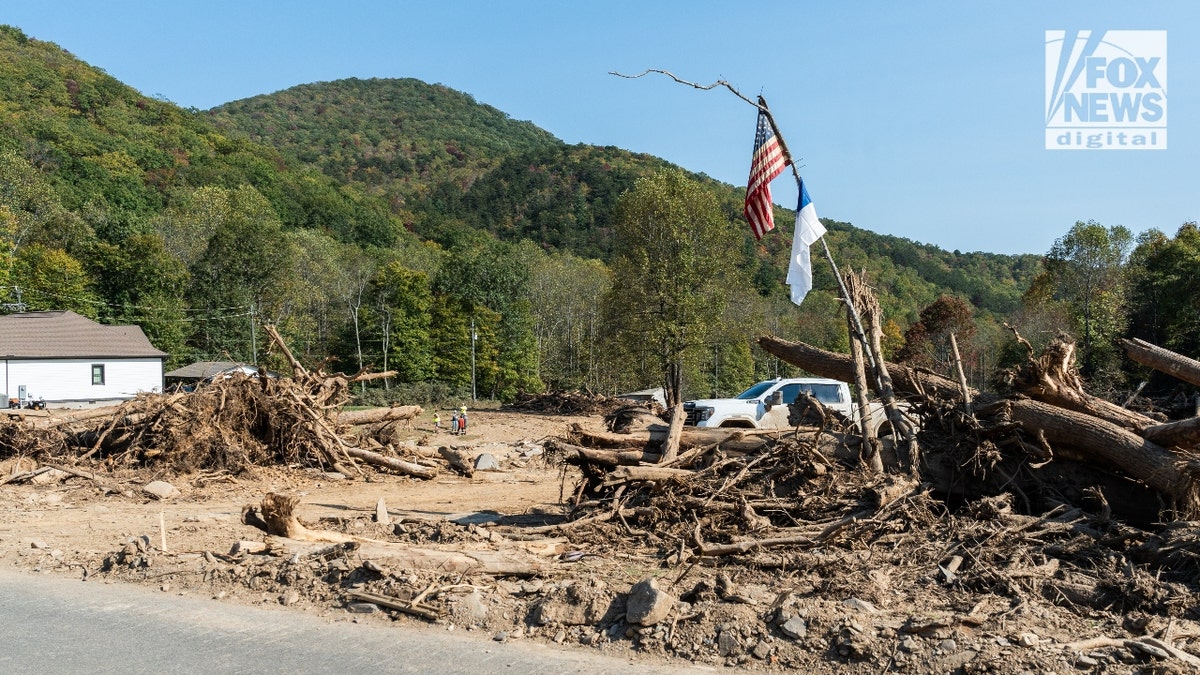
(448, 159)
(379, 221)
(396, 136)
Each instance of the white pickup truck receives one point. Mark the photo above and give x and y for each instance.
(765, 405)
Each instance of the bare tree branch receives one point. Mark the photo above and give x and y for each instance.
(705, 87)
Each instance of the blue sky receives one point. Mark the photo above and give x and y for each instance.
(919, 119)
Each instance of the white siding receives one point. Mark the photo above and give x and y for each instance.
(68, 382)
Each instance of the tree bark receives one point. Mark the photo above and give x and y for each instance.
(1115, 446)
(1184, 434)
(395, 413)
(670, 447)
(1163, 360)
(870, 445)
(652, 439)
(574, 454)
(841, 367)
(457, 460)
(1050, 378)
(390, 463)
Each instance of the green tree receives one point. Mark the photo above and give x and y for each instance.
(1165, 289)
(141, 283)
(400, 314)
(240, 278)
(565, 294)
(927, 342)
(51, 279)
(491, 275)
(1085, 269)
(670, 274)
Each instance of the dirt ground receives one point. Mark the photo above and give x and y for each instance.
(580, 587)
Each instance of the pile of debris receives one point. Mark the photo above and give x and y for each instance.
(1045, 497)
(227, 425)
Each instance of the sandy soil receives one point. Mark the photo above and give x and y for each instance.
(717, 614)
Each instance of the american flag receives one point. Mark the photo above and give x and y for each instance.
(768, 162)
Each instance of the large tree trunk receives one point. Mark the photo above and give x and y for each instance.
(1048, 379)
(1148, 462)
(394, 413)
(1182, 434)
(653, 439)
(840, 367)
(1163, 360)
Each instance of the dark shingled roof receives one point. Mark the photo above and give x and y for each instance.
(202, 370)
(66, 335)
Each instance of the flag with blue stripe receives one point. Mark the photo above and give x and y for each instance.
(808, 230)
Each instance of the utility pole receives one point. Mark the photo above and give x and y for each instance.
(474, 337)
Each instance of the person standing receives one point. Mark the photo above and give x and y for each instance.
(437, 421)
(462, 421)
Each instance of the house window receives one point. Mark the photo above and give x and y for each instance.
(97, 373)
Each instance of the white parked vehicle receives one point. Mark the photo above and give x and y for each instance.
(765, 405)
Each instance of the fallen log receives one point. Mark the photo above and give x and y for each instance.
(574, 454)
(416, 609)
(375, 415)
(1183, 434)
(390, 463)
(457, 460)
(652, 439)
(1117, 447)
(450, 561)
(648, 473)
(841, 367)
(1163, 360)
(1048, 380)
(275, 515)
(1051, 378)
(80, 416)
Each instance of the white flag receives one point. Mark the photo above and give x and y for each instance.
(808, 230)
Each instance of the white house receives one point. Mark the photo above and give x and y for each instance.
(70, 361)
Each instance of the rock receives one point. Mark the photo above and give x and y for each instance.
(910, 644)
(500, 636)
(159, 489)
(560, 636)
(761, 650)
(795, 628)
(37, 543)
(362, 608)
(860, 605)
(288, 599)
(486, 462)
(381, 513)
(647, 604)
(1028, 639)
(728, 644)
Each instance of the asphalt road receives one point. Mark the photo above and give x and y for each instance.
(55, 625)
